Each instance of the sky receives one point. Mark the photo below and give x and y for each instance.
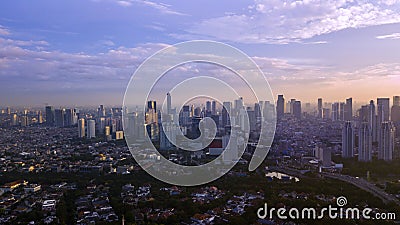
(84, 52)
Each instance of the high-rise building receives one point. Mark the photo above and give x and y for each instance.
(280, 107)
(152, 105)
(14, 119)
(81, 128)
(364, 143)
(184, 117)
(372, 121)
(49, 115)
(348, 140)
(102, 125)
(297, 109)
(348, 110)
(226, 110)
(386, 141)
(395, 111)
(167, 135)
(383, 109)
(69, 117)
(101, 111)
(59, 117)
(291, 105)
(24, 120)
(320, 108)
(169, 103)
(363, 113)
(382, 113)
(396, 100)
(39, 117)
(239, 104)
(335, 111)
(341, 111)
(91, 129)
(8, 111)
(326, 113)
(214, 108)
(208, 106)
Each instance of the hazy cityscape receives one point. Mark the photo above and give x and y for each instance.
(46, 152)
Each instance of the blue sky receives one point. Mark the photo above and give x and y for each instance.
(84, 51)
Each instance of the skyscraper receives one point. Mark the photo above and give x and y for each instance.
(383, 109)
(320, 108)
(292, 101)
(364, 143)
(101, 111)
(382, 114)
(386, 141)
(168, 103)
(59, 117)
(341, 111)
(395, 111)
(396, 100)
(208, 106)
(297, 109)
(81, 128)
(39, 117)
(213, 108)
(91, 129)
(280, 107)
(372, 120)
(348, 110)
(335, 111)
(348, 140)
(49, 115)
(152, 105)
(14, 119)
(363, 113)
(69, 117)
(226, 110)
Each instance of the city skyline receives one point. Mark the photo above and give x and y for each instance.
(340, 49)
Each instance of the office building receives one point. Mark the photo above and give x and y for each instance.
(320, 108)
(59, 117)
(395, 111)
(348, 140)
(364, 142)
(169, 103)
(382, 113)
(383, 109)
(386, 141)
(341, 111)
(335, 111)
(91, 129)
(348, 110)
(226, 110)
(49, 115)
(39, 117)
(372, 121)
(297, 109)
(213, 108)
(81, 128)
(280, 107)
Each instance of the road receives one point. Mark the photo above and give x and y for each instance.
(358, 182)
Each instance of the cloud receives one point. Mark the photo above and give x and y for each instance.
(393, 36)
(23, 62)
(4, 31)
(162, 8)
(281, 22)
